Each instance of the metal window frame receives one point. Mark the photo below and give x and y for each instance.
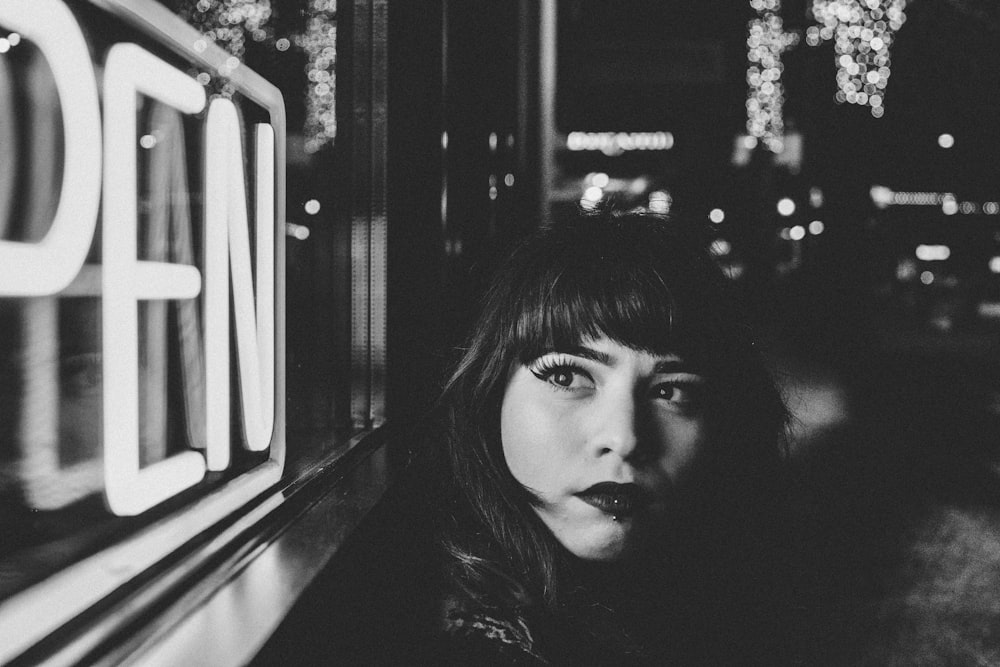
(369, 218)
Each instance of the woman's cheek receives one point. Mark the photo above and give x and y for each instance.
(534, 430)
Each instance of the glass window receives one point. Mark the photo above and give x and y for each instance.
(187, 282)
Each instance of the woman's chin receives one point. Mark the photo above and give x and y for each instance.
(603, 544)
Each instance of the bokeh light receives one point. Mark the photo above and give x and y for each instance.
(660, 201)
(932, 253)
(721, 248)
(766, 41)
(863, 32)
(949, 205)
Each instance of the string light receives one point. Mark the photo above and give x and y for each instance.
(863, 32)
(883, 197)
(766, 41)
(228, 23)
(320, 45)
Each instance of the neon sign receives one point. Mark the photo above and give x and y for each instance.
(55, 265)
(45, 267)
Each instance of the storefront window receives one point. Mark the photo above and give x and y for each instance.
(174, 341)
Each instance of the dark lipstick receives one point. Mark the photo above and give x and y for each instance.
(620, 500)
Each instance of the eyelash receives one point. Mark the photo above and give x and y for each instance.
(546, 369)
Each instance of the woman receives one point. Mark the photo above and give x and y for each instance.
(613, 448)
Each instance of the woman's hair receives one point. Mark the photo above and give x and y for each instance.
(646, 282)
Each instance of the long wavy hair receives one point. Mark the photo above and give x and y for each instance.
(646, 282)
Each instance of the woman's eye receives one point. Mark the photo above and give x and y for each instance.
(680, 394)
(567, 378)
(564, 377)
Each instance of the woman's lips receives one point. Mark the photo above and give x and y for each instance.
(619, 500)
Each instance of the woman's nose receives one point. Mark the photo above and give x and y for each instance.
(615, 425)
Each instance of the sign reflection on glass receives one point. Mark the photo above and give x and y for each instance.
(144, 292)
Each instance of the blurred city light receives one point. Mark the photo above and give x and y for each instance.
(917, 198)
(721, 248)
(300, 232)
(660, 201)
(815, 197)
(797, 233)
(906, 270)
(743, 147)
(616, 143)
(933, 253)
(946, 141)
(862, 32)
(882, 196)
(638, 185)
(601, 180)
(816, 227)
(995, 264)
(312, 207)
(716, 215)
(926, 277)
(786, 206)
(766, 42)
(948, 204)
(593, 193)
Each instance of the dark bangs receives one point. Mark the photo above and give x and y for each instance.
(658, 297)
(574, 303)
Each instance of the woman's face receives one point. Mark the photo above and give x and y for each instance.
(601, 434)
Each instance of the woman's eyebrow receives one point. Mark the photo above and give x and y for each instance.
(676, 365)
(668, 365)
(587, 353)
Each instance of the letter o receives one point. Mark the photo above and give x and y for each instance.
(48, 266)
